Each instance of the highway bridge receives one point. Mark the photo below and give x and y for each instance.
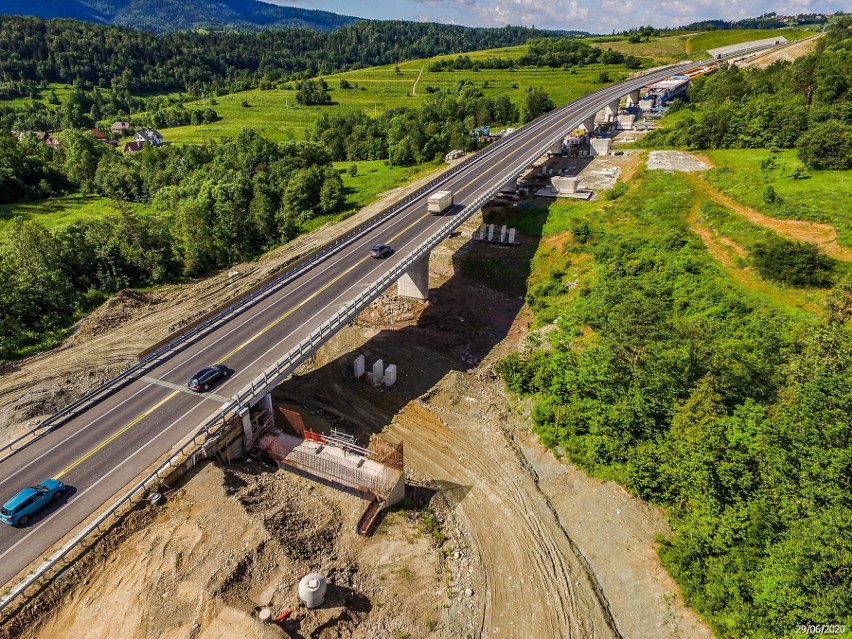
(104, 445)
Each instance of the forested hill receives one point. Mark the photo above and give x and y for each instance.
(159, 16)
(69, 51)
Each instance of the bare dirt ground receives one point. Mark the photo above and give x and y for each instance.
(109, 339)
(237, 539)
(784, 54)
(527, 545)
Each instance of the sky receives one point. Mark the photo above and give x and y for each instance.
(596, 16)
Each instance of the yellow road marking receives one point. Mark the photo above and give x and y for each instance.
(115, 435)
(324, 287)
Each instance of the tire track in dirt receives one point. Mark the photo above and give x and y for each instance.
(823, 235)
(537, 587)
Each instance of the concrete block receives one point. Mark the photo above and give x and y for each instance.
(601, 146)
(490, 232)
(511, 236)
(359, 366)
(390, 375)
(503, 234)
(481, 232)
(565, 184)
(626, 121)
(378, 372)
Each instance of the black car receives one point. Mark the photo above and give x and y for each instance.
(206, 377)
(380, 250)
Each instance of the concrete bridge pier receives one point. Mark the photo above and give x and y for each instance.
(589, 125)
(633, 98)
(611, 110)
(415, 282)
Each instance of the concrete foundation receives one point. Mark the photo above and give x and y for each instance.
(601, 146)
(359, 367)
(378, 371)
(564, 185)
(626, 122)
(589, 125)
(415, 283)
(390, 375)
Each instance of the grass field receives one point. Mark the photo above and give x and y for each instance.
(275, 113)
(60, 211)
(823, 196)
(700, 42)
(664, 50)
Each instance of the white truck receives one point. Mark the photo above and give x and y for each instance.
(439, 202)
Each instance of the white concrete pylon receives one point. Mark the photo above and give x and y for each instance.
(359, 366)
(503, 234)
(511, 236)
(611, 109)
(414, 283)
(633, 98)
(490, 232)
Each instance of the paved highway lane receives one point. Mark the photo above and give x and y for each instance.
(105, 448)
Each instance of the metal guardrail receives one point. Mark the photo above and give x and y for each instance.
(210, 431)
(188, 337)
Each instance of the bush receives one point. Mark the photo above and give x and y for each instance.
(793, 263)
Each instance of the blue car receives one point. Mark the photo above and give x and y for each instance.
(19, 509)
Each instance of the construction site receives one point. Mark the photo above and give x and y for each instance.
(389, 488)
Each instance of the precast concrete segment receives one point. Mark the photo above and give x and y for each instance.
(112, 453)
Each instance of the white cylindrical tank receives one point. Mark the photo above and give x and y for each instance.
(312, 589)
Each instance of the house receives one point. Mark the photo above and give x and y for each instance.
(100, 136)
(152, 136)
(133, 147)
(41, 136)
(120, 128)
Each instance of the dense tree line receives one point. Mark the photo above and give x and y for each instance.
(806, 104)
(552, 52)
(211, 206)
(406, 136)
(728, 411)
(87, 106)
(68, 51)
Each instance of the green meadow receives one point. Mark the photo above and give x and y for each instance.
(818, 196)
(274, 113)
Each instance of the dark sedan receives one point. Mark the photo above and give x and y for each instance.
(207, 377)
(380, 250)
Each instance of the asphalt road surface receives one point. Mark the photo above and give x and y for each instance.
(105, 448)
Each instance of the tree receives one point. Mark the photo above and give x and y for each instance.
(313, 92)
(827, 145)
(536, 103)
